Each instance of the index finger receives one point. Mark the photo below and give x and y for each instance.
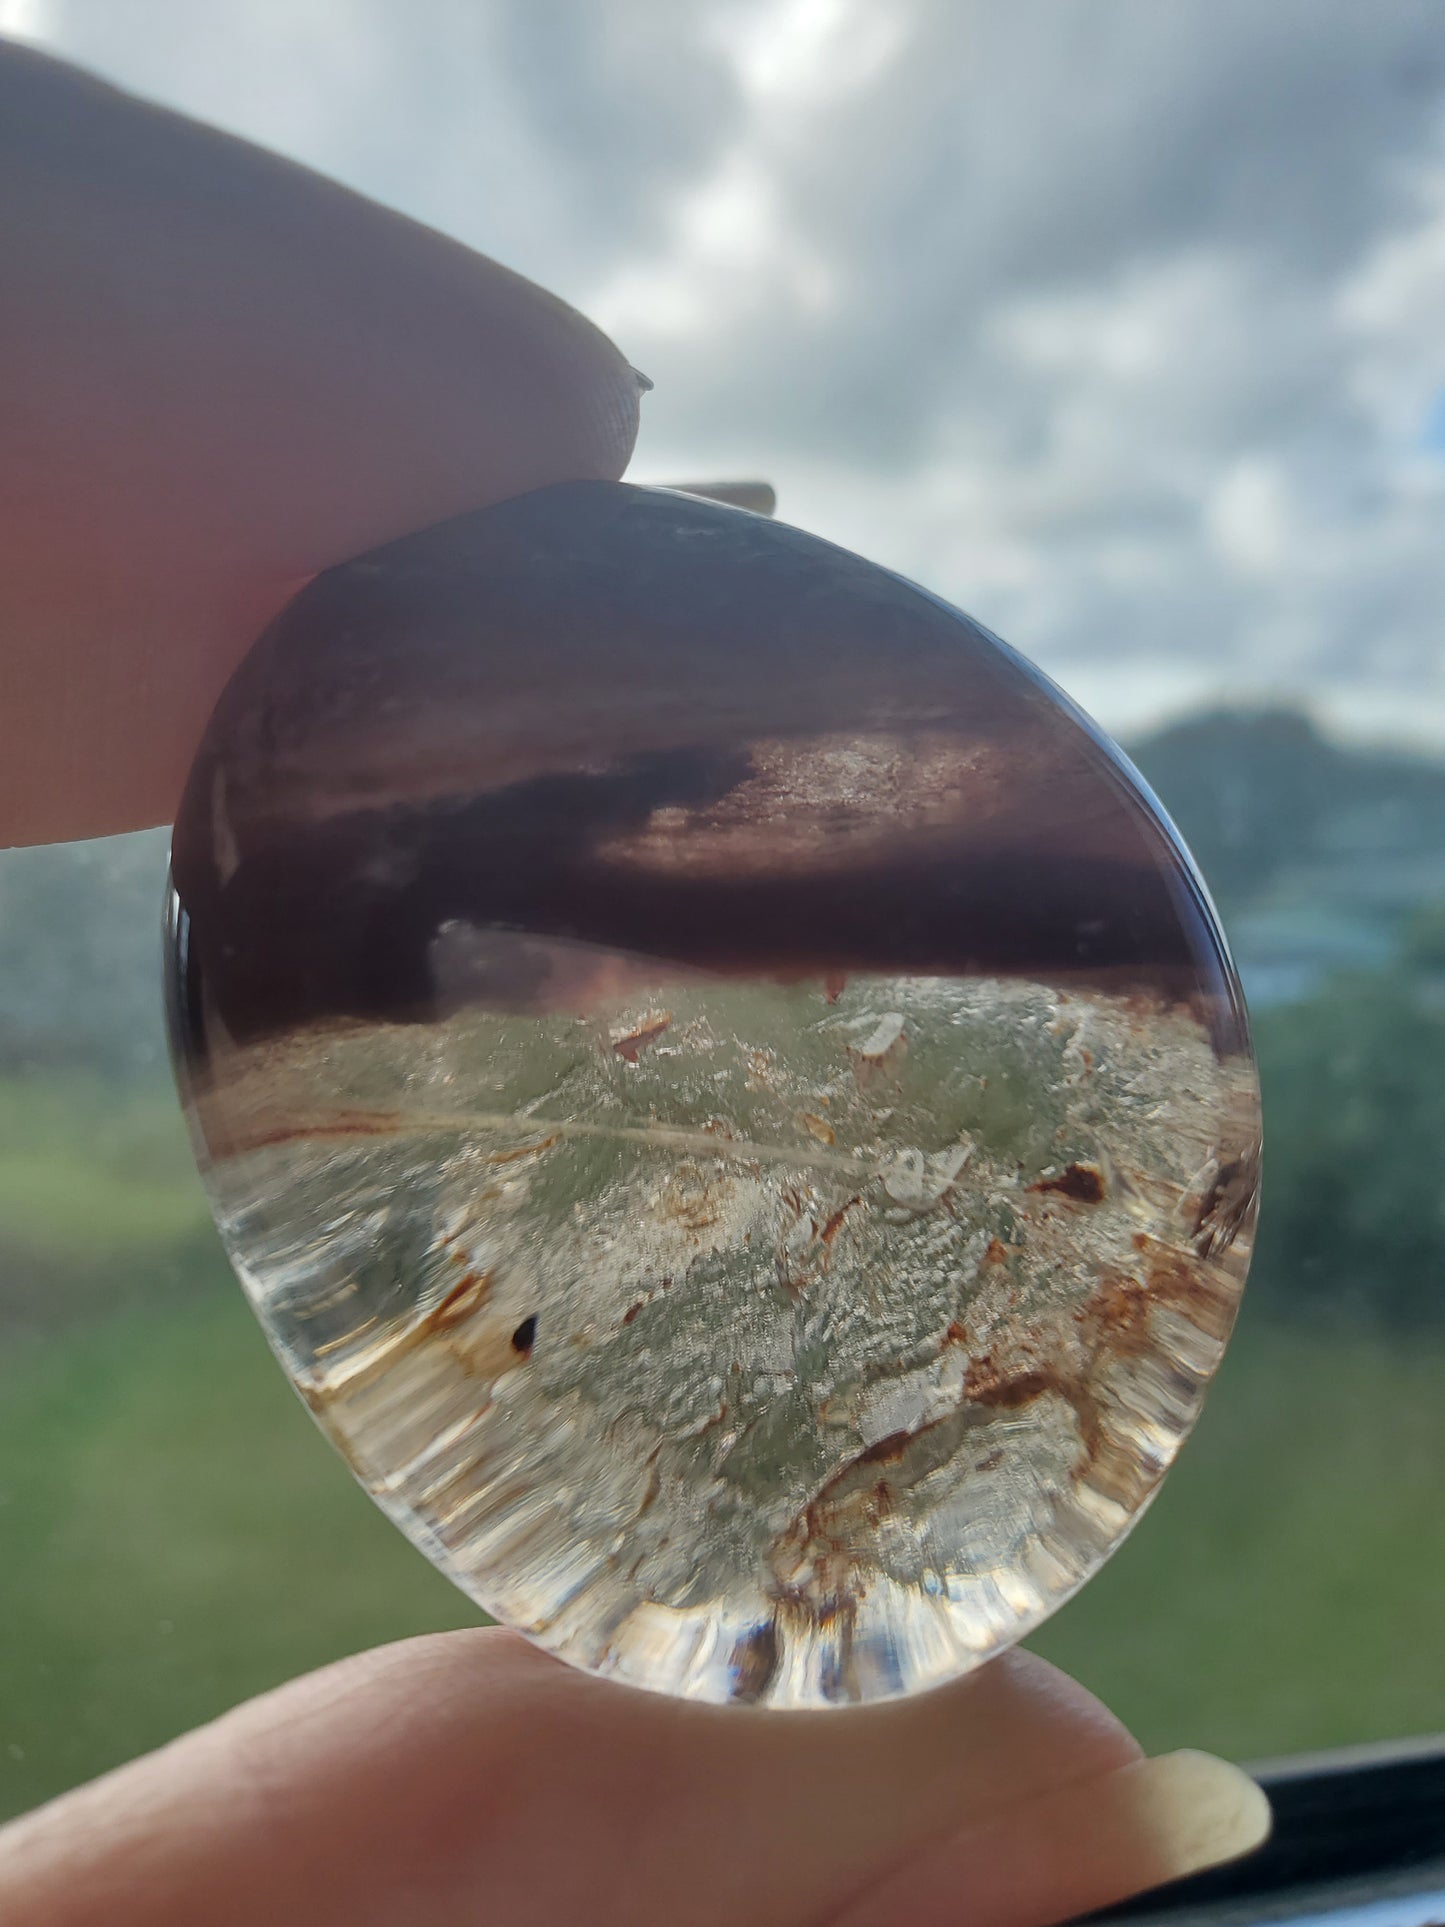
(219, 373)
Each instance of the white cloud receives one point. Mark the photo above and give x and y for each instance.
(734, 249)
(24, 19)
(1393, 309)
(730, 254)
(792, 53)
(1248, 517)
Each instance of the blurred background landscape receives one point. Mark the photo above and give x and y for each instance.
(1119, 325)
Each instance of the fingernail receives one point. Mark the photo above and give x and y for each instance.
(1188, 1810)
(1087, 1844)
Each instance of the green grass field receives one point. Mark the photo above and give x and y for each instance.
(174, 1534)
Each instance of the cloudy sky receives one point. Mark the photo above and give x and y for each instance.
(1119, 322)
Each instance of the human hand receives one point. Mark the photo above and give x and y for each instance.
(219, 374)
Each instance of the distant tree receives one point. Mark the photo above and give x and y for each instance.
(1248, 790)
(1255, 791)
(80, 955)
(1423, 943)
(1353, 1215)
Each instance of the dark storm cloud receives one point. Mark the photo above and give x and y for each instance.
(1118, 320)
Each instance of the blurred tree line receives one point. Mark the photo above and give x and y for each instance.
(1352, 1222)
(1353, 1216)
(80, 951)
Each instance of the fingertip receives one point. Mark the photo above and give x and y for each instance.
(607, 406)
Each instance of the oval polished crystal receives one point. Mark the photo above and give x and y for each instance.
(723, 1089)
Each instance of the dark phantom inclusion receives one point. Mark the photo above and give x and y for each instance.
(723, 1088)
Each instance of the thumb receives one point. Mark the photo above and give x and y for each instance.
(467, 1777)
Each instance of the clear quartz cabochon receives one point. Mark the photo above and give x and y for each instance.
(724, 1091)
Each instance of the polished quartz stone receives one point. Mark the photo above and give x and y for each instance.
(723, 1089)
